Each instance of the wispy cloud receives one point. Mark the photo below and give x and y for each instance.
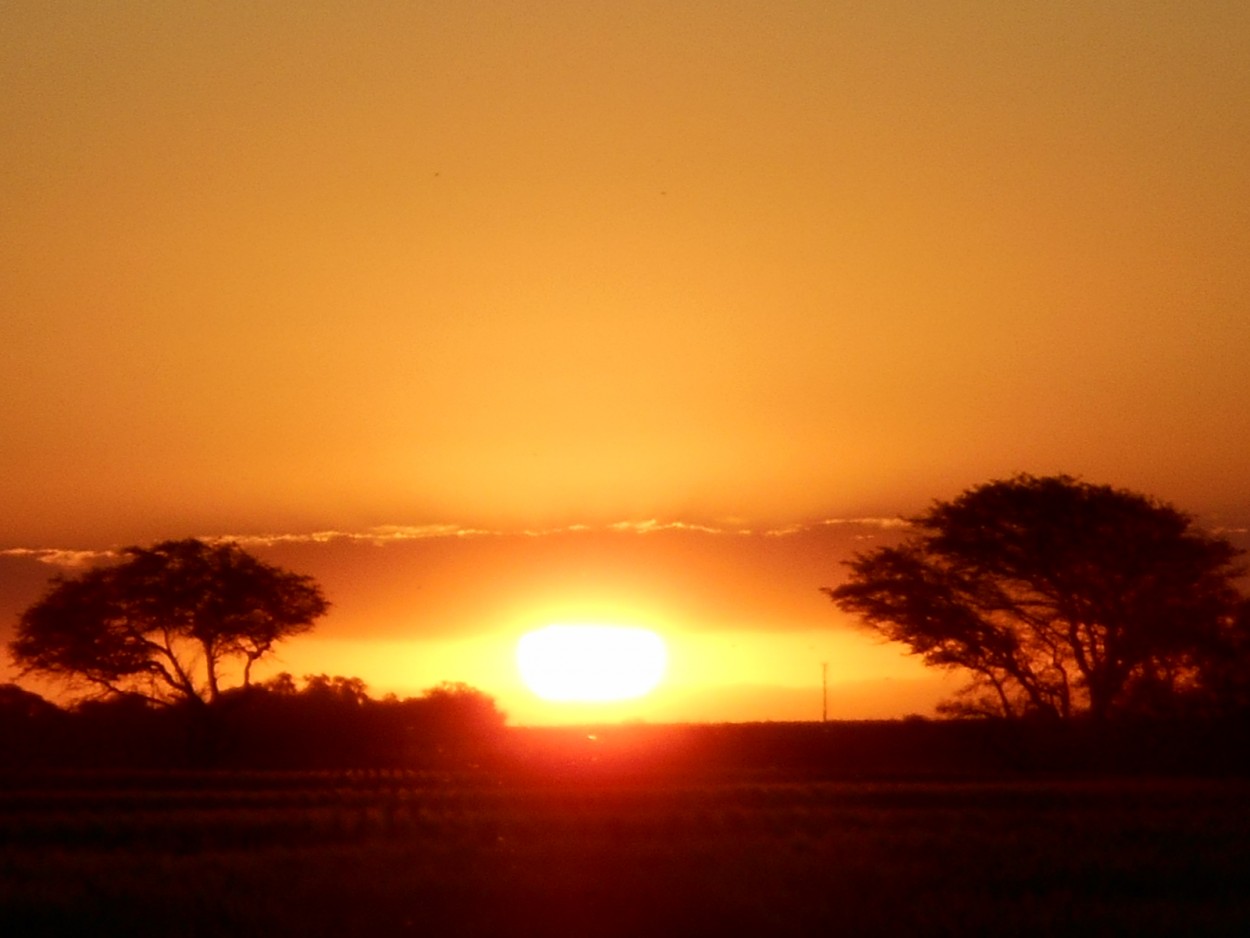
(58, 556)
(382, 535)
(651, 525)
(379, 535)
(884, 524)
(547, 532)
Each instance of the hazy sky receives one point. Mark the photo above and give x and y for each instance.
(285, 268)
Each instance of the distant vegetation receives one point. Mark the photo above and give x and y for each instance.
(329, 722)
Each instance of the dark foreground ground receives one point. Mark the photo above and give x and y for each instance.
(565, 835)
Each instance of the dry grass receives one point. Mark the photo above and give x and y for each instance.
(396, 853)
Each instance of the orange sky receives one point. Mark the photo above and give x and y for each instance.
(518, 266)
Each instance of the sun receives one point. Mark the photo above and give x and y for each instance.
(591, 662)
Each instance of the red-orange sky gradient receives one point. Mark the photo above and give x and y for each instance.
(476, 289)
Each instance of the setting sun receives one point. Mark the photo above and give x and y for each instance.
(591, 662)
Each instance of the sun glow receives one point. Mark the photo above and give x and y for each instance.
(591, 662)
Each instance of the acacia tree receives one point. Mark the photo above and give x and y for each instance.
(1059, 597)
(167, 622)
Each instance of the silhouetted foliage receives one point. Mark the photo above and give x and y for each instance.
(322, 722)
(452, 720)
(1225, 674)
(332, 722)
(30, 727)
(17, 704)
(1061, 598)
(163, 624)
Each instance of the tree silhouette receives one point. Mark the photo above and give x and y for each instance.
(165, 624)
(456, 709)
(1225, 674)
(1060, 597)
(332, 722)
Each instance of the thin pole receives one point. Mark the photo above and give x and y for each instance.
(824, 692)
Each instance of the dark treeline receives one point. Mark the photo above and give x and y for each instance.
(884, 750)
(328, 723)
(331, 723)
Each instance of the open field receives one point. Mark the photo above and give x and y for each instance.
(558, 850)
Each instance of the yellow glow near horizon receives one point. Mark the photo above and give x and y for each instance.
(590, 663)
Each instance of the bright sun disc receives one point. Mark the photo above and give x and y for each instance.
(591, 662)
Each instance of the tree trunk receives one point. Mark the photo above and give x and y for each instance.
(210, 667)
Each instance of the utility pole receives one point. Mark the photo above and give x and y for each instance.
(824, 692)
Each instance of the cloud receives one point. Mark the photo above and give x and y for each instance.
(884, 524)
(381, 535)
(652, 525)
(59, 556)
(567, 529)
(397, 533)
(378, 535)
(887, 523)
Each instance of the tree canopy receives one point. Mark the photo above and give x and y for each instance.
(167, 623)
(1059, 597)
